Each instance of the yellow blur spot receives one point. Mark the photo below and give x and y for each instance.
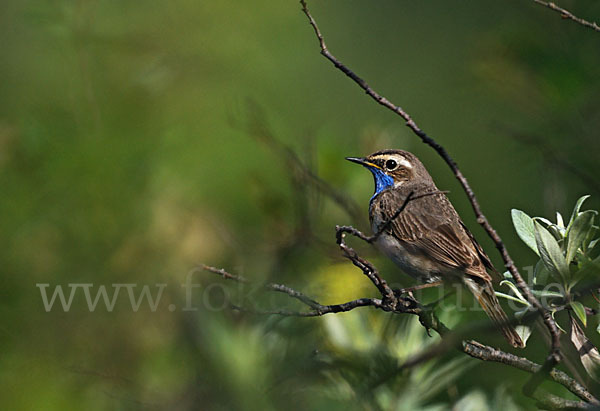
(339, 283)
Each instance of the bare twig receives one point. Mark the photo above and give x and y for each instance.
(366, 267)
(269, 286)
(224, 274)
(486, 353)
(294, 294)
(552, 402)
(555, 354)
(319, 310)
(566, 14)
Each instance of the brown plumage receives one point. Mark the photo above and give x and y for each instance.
(428, 240)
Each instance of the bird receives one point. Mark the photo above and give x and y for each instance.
(427, 239)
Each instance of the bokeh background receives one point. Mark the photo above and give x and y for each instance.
(141, 139)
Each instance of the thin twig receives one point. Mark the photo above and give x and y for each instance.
(318, 311)
(566, 14)
(224, 274)
(294, 294)
(269, 286)
(402, 303)
(366, 267)
(555, 354)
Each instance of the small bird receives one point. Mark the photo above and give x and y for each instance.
(428, 240)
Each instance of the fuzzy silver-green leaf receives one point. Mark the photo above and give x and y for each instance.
(579, 311)
(575, 212)
(551, 253)
(578, 232)
(525, 228)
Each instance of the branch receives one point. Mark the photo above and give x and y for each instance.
(552, 402)
(367, 268)
(566, 14)
(319, 310)
(457, 339)
(555, 354)
(486, 353)
(406, 304)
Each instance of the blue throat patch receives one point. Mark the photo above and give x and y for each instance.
(382, 180)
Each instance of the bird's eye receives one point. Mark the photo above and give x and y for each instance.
(391, 164)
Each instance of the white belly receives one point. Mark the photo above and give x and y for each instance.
(412, 263)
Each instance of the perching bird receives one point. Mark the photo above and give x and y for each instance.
(428, 240)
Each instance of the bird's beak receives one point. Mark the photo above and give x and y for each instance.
(362, 161)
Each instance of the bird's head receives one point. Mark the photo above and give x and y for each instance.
(393, 168)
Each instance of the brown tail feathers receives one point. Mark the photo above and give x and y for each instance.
(484, 292)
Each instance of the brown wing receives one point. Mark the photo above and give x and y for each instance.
(431, 225)
(482, 255)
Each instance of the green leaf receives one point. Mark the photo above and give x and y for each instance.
(555, 231)
(551, 253)
(559, 220)
(515, 290)
(540, 273)
(525, 228)
(589, 241)
(547, 294)
(560, 224)
(575, 213)
(510, 297)
(589, 268)
(578, 232)
(544, 220)
(579, 311)
(556, 322)
(524, 332)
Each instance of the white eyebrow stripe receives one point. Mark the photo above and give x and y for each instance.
(404, 162)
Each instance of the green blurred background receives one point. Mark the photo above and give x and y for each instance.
(140, 139)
